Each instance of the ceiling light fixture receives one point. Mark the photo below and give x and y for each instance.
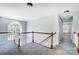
(66, 11)
(30, 4)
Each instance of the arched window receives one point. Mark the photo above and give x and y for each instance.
(14, 28)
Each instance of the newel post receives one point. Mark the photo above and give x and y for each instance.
(78, 43)
(51, 40)
(33, 36)
(19, 41)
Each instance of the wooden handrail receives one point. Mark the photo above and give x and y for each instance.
(35, 32)
(4, 32)
(42, 33)
(28, 32)
(25, 32)
(51, 35)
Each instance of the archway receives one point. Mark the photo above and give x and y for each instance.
(14, 28)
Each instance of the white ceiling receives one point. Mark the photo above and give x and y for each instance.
(21, 11)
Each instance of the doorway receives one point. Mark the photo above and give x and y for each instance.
(65, 26)
(67, 30)
(14, 28)
(66, 33)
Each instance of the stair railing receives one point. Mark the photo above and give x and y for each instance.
(51, 35)
(77, 47)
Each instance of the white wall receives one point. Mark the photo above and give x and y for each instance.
(4, 22)
(75, 27)
(45, 24)
(60, 30)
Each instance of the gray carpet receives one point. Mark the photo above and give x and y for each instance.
(65, 48)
